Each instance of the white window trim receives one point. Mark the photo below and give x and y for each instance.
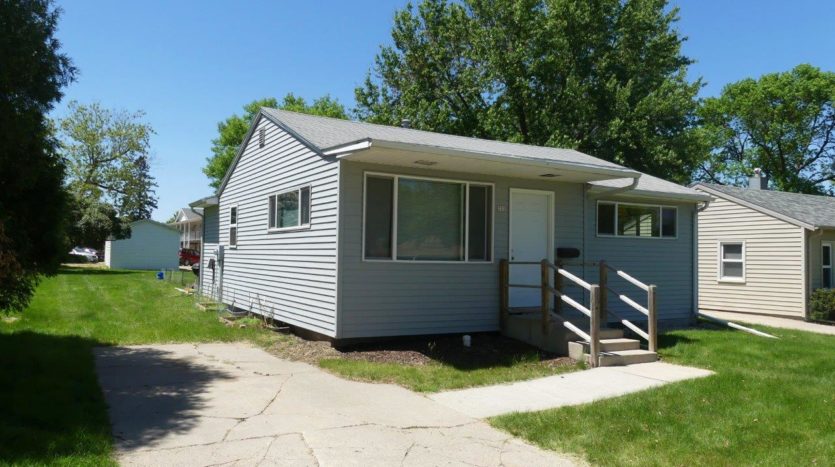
(396, 178)
(616, 203)
(298, 190)
(823, 266)
(235, 225)
(734, 280)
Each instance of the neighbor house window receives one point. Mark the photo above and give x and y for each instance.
(421, 219)
(289, 209)
(636, 220)
(826, 265)
(732, 261)
(233, 226)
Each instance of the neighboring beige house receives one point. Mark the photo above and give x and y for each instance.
(190, 224)
(763, 251)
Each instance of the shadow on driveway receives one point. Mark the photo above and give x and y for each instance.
(153, 393)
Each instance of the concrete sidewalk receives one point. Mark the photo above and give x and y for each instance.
(773, 321)
(233, 404)
(569, 389)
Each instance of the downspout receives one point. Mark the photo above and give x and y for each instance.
(616, 191)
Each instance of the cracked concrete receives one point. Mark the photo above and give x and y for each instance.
(234, 404)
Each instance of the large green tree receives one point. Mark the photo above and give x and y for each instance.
(231, 132)
(107, 154)
(606, 77)
(783, 123)
(33, 72)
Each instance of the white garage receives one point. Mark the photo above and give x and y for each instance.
(151, 245)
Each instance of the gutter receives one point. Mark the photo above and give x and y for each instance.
(345, 151)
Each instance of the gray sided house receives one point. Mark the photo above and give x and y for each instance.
(763, 251)
(354, 230)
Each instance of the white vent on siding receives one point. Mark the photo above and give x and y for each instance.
(262, 138)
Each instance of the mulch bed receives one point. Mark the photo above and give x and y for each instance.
(487, 350)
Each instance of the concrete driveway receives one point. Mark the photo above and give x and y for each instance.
(233, 404)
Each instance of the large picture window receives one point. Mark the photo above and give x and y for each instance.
(732, 261)
(289, 209)
(420, 219)
(636, 220)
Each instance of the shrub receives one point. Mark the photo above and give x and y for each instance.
(822, 305)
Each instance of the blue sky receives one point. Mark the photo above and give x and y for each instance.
(190, 64)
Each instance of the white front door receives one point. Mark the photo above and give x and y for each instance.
(531, 240)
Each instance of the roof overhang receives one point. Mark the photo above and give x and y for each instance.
(756, 207)
(455, 160)
(650, 194)
(206, 202)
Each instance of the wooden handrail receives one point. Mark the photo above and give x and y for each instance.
(598, 301)
(574, 278)
(569, 325)
(633, 281)
(634, 304)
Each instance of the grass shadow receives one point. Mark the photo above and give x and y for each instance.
(54, 411)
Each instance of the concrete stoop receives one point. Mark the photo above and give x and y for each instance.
(615, 350)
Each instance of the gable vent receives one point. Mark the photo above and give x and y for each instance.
(262, 138)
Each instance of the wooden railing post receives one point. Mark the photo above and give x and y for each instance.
(652, 324)
(504, 292)
(594, 345)
(546, 295)
(604, 293)
(558, 286)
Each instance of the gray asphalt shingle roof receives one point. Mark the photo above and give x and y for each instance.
(815, 210)
(326, 133)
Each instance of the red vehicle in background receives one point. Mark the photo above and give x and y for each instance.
(189, 257)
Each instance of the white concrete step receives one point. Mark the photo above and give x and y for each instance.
(610, 333)
(627, 357)
(613, 345)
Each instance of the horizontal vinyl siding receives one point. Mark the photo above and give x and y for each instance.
(401, 298)
(773, 261)
(150, 246)
(664, 262)
(288, 275)
(211, 239)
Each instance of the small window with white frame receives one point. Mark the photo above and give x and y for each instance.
(732, 261)
(631, 220)
(826, 265)
(233, 226)
(289, 209)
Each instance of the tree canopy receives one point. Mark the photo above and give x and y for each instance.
(783, 123)
(231, 132)
(605, 77)
(32, 198)
(107, 154)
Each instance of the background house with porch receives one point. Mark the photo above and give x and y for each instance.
(189, 222)
(764, 251)
(353, 230)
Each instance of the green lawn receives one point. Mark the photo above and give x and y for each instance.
(771, 402)
(51, 408)
(439, 376)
